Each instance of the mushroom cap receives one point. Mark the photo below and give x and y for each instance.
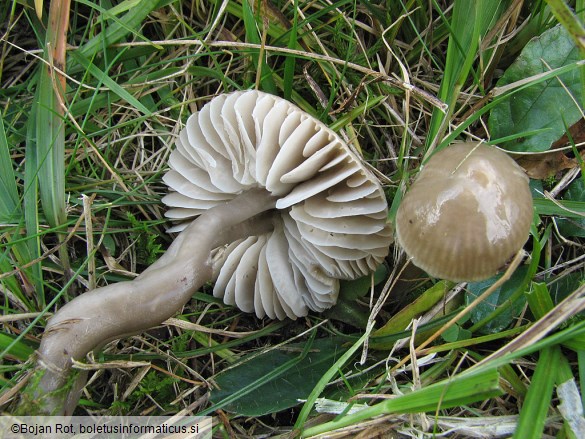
(332, 221)
(467, 213)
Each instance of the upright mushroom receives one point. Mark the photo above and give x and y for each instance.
(467, 213)
(283, 207)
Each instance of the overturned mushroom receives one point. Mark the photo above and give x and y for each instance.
(331, 212)
(468, 212)
(284, 210)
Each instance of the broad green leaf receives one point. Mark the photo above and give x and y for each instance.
(570, 20)
(507, 296)
(537, 116)
(278, 379)
(347, 309)
(456, 333)
(564, 284)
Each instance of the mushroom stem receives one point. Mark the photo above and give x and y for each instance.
(104, 314)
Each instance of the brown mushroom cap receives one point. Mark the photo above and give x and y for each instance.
(468, 212)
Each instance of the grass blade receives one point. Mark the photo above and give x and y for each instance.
(50, 151)
(30, 203)
(265, 75)
(50, 126)
(9, 199)
(538, 398)
(469, 24)
(20, 350)
(119, 28)
(460, 390)
(11, 213)
(103, 78)
(308, 406)
(290, 62)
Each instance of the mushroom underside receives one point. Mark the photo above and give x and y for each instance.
(331, 213)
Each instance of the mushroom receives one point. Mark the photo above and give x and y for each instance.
(467, 213)
(331, 221)
(278, 209)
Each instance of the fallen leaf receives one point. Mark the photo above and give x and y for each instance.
(577, 132)
(543, 166)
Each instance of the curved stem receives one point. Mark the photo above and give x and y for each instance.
(116, 310)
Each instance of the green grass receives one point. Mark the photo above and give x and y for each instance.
(399, 79)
